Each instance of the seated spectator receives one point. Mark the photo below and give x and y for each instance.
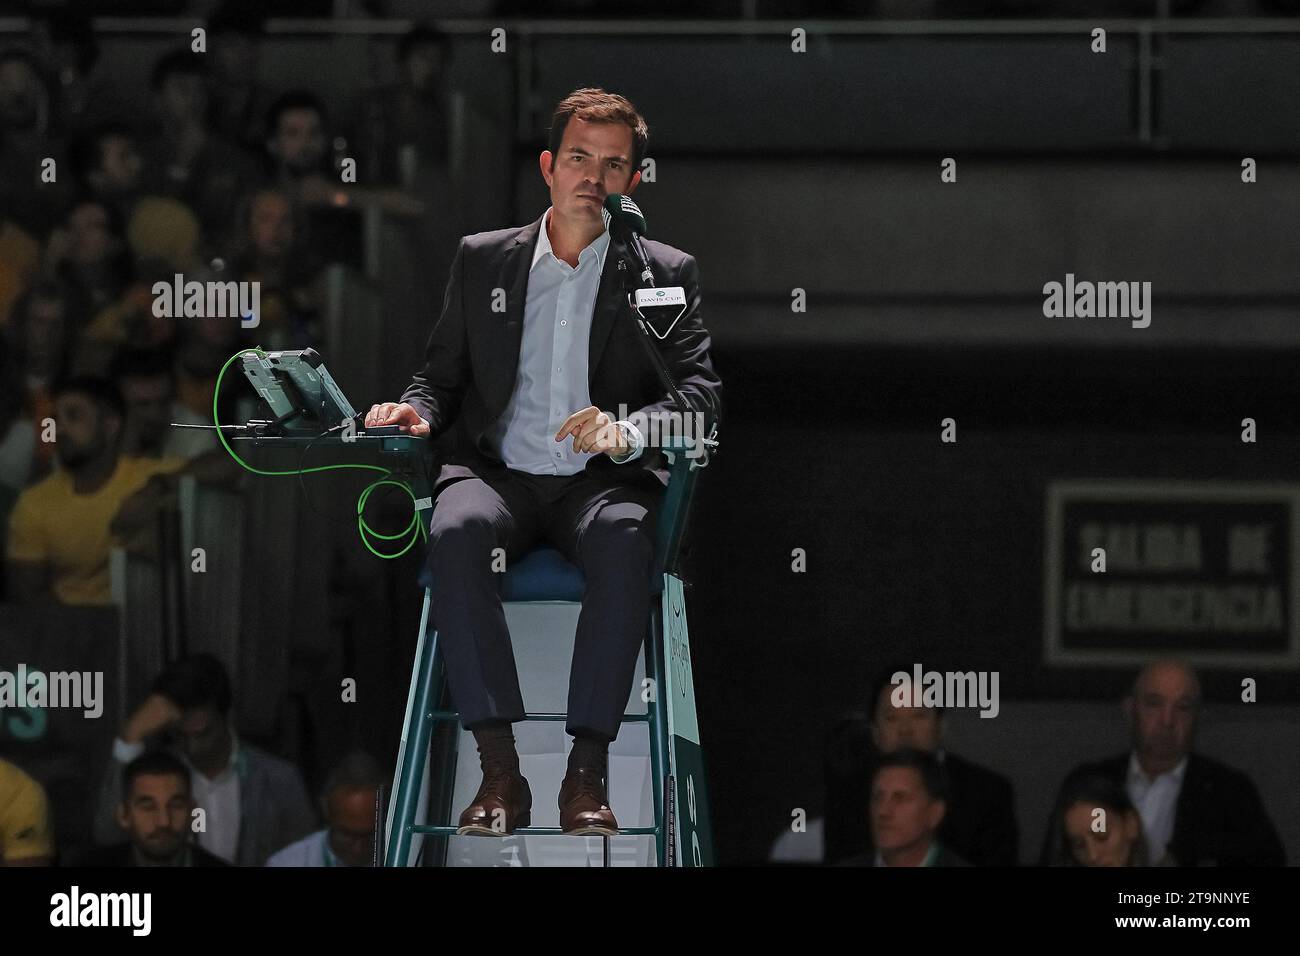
(20, 256)
(192, 162)
(63, 527)
(1099, 826)
(297, 149)
(37, 347)
(156, 811)
(107, 166)
(89, 256)
(403, 127)
(69, 53)
(301, 166)
(253, 802)
(27, 138)
(26, 830)
(1198, 811)
(348, 804)
(908, 801)
(17, 435)
(980, 823)
(269, 253)
(147, 380)
(239, 99)
(163, 237)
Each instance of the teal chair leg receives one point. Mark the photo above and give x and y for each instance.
(416, 730)
(659, 763)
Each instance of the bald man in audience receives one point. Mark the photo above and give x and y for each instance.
(348, 805)
(1197, 810)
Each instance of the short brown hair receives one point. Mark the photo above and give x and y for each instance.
(596, 106)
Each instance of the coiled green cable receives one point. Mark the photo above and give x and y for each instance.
(415, 529)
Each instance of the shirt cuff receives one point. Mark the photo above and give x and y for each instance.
(635, 440)
(124, 752)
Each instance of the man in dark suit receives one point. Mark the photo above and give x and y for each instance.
(155, 812)
(909, 800)
(253, 802)
(536, 344)
(980, 822)
(1196, 810)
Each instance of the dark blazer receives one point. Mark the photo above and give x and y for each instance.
(120, 855)
(274, 807)
(472, 356)
(979, 824)
(945, 858)
(1219, 819)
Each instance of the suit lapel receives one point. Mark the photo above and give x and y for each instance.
(514, 270)
(1186, 810)
(610, 298)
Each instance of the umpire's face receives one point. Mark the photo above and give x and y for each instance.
(595, 159)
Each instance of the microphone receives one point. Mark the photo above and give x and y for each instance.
(625, 223)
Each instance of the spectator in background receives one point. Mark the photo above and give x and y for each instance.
(301, 166)
(404, 127)
(239, 101)
(89, 256)
(191, 162)
(253, 802)
(147, 380)
(297, 149)
(26, 140)
(269, 253)
(17, 434)
(1197, 810)
(156, 811)
(980, 823)
(348, 803)
(909, 793)
(62, 528)
(38, 345)
(24, 100)
(68, 51)
(20, 258)
(17, 440)
(163, 237)
(1099, 826)
(107, 166)
(26, 831)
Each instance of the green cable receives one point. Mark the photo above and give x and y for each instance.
(415, 529)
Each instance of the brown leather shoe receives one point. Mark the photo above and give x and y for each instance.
(503, 802)
(583, 807)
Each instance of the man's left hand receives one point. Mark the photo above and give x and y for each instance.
(593, 431)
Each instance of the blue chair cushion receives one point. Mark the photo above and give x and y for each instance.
(543, 574)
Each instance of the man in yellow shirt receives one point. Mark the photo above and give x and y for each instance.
(62, 528)
(26, 837)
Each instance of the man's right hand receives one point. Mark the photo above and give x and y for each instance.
(391, 413)
(155, 714)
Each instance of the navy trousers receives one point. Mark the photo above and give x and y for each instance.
(607, 530)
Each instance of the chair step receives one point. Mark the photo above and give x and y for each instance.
(532, 831)
(436, 715)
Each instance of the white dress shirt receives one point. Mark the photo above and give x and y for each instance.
(1157, 803)
(552, 380)
(220, 800)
